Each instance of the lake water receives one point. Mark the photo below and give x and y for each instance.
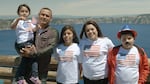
(7, 37)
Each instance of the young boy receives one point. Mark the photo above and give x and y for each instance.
(128, 63)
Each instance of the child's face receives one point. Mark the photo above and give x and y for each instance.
(91, 32)
(68, 37)
(127, 41)
(24, 12)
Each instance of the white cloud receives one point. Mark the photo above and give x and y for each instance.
(104, 7)
(81, 7)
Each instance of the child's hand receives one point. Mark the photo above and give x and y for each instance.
(29, 29)
(22, 18)
(38, 26)
(34, 21)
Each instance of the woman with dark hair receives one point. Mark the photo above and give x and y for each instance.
(95, 25)
(94, 49)
(67, 54)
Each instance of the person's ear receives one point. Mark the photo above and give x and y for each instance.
(51, 19)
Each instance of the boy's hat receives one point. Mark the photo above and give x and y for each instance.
(126, 28)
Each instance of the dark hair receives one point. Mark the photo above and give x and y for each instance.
(94, 24)
(23, 5)
(127, 32)
(45, 8)
(69, 27)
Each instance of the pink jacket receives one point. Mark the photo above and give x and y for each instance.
(143, 66)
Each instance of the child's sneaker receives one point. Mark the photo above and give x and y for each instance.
(22, 82)
(35, 80)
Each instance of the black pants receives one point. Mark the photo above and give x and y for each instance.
(62, 83)
(101, 81)
(26, 63)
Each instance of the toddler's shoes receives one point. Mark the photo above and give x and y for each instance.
(35, 80)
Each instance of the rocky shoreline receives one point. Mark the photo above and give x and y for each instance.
(134, 19)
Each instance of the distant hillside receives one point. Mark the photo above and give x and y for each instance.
(5, 24)
(132, 19)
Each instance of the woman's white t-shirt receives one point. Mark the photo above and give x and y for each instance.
(94, 57)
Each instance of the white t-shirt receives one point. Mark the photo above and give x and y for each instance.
(94, 57)
(127, 69)
(21, 31)
(67, 56)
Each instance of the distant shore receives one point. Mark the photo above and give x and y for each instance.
(136, 19)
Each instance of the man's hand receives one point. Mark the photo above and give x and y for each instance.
(28, 51)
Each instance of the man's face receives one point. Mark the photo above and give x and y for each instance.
(127, 41)
(45, 17)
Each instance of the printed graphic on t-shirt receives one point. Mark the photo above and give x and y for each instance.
(66, 56)
(25, 24)
(126, 60)
(28, 26)
(91, 50)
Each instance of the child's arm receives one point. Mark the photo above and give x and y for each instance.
(32, 29)
(36, 28)
(35, 22)
(15, 22)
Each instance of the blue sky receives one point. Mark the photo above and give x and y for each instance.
(80, 7)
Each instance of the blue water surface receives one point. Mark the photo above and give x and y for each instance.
(1, 81)
(7, 37)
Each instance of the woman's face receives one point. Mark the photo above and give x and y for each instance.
(68, 37)
(127, 41)
(91, 32)
(24, 12)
